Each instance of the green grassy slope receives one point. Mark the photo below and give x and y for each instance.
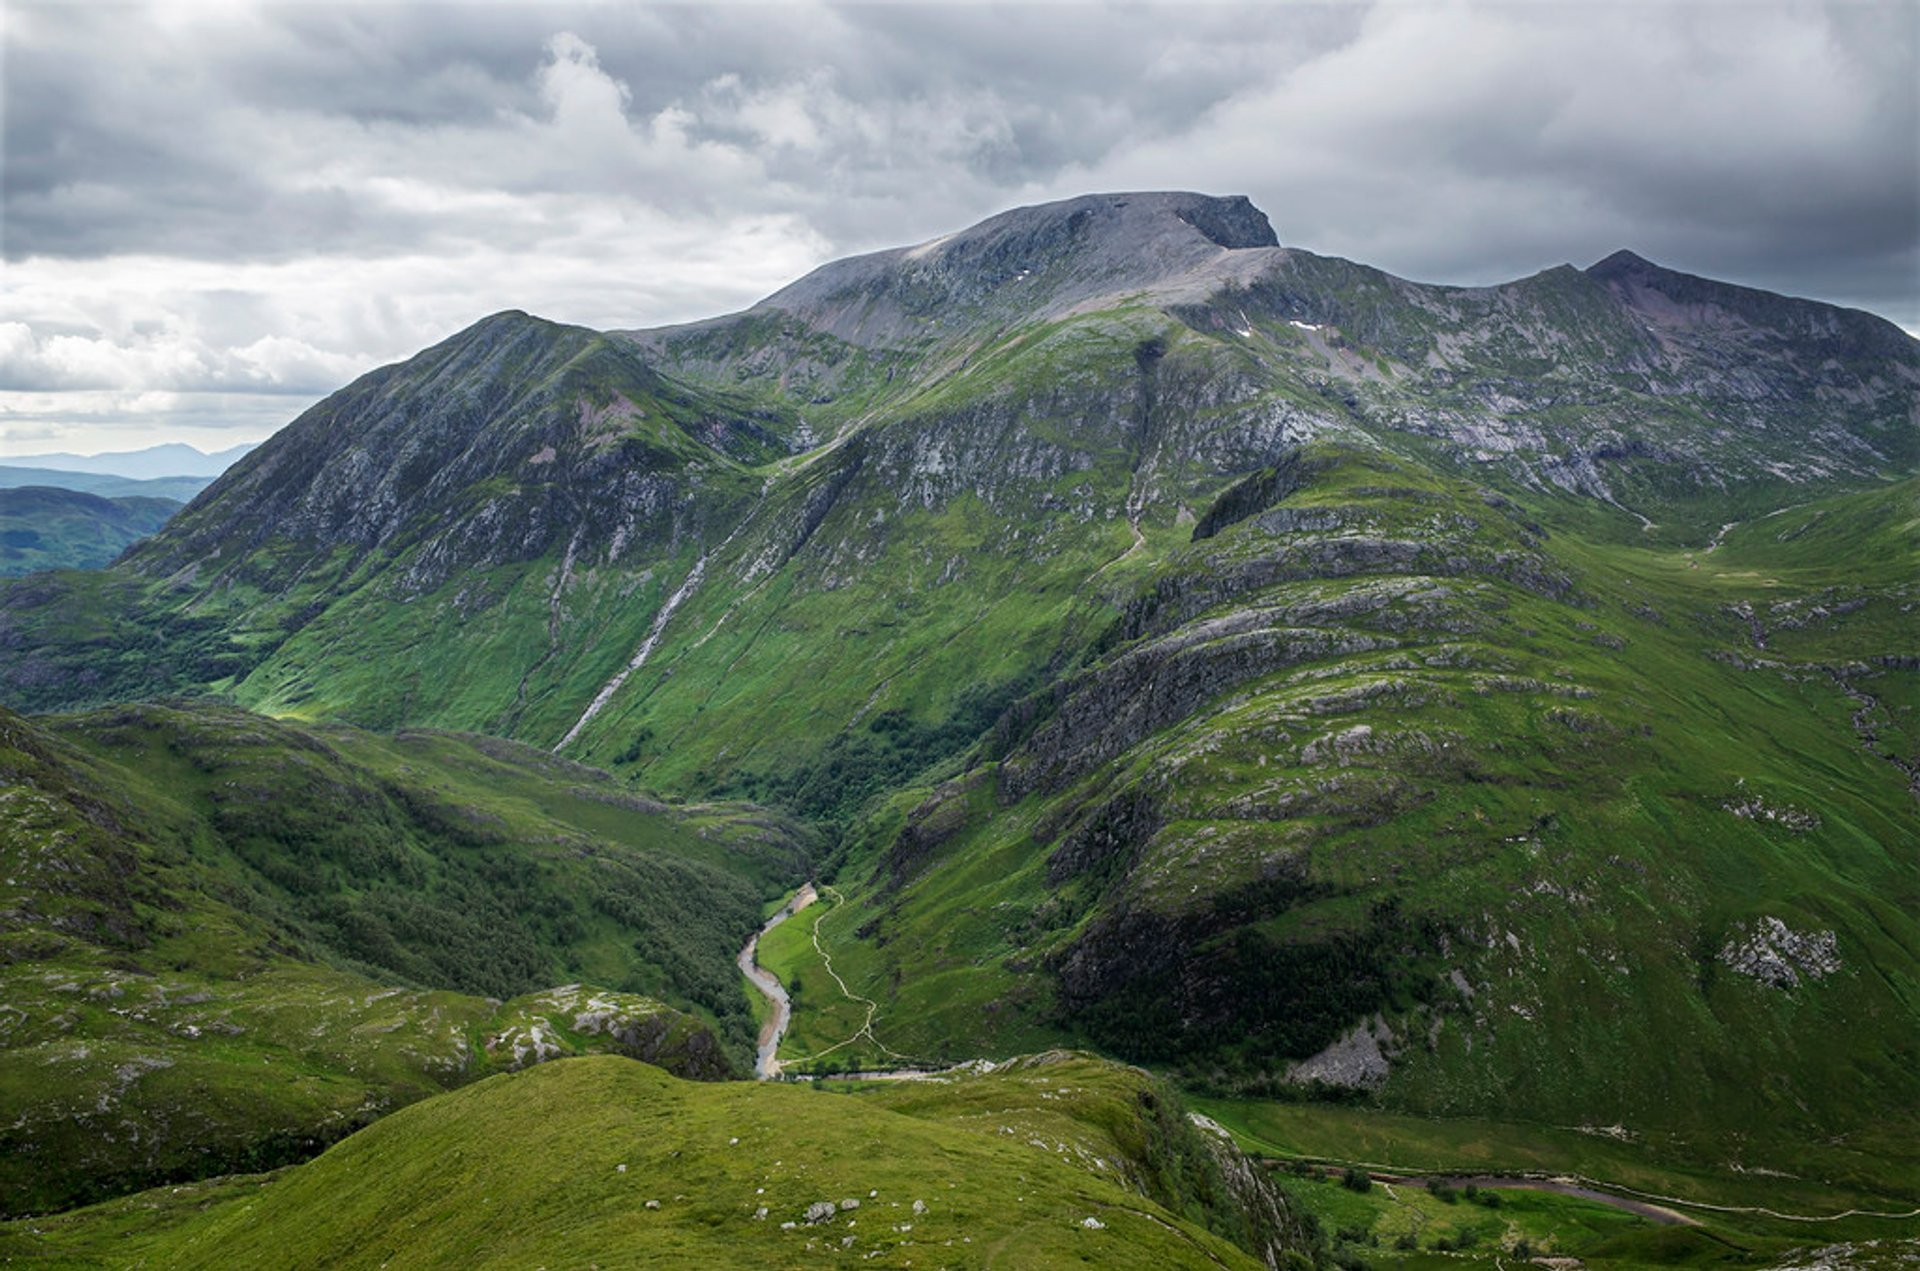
(611, 1163)
(1524, 800)
(198, 899)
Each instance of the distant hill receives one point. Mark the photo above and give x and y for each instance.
(170, 460)
(46, 528)
(179, 489)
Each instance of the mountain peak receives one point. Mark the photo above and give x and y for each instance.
(1230, 221)
(1035, 261)
(1621, 264)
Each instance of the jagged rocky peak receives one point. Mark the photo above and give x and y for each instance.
(1042, 260)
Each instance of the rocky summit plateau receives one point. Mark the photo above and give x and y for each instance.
(1245, 721)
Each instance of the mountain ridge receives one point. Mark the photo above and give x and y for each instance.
(170, 459)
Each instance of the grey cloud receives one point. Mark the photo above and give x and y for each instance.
(110, 147)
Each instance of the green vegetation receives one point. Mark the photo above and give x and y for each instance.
(1404, 1224)
(616, 1162)
(1727, 1199)
(1569, 762)
(203, 897)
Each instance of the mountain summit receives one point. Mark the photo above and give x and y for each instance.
(1037, 261)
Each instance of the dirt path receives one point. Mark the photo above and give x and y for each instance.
(766, 1066)
(873, 1008)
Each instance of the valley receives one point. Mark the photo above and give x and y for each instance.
(1444, 732)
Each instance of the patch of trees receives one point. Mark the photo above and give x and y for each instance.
(1238, 1002)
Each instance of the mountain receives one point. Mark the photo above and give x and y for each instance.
(195, 897)
(170, 460)
(177, 489)
(47, 528)
(1476, 702)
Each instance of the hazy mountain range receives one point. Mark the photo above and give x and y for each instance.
(172, 459)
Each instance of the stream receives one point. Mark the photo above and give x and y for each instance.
(765, 1066)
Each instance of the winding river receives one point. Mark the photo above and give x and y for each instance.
(765, 1066)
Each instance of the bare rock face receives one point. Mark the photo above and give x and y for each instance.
(1273, 1219)
(1355, 1062)
(504, 443)
(1775, 954)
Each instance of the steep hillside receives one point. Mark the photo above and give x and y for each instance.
(1479, 824)
(620, 1164)
(42, 527)
(198, 898)
(432, 542)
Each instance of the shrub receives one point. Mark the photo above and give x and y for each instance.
(1356, 1180)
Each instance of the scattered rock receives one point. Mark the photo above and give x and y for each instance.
(1774, 953)
(653, 1204)
(820, 1211)
(1092, 1224)
(1758, 809)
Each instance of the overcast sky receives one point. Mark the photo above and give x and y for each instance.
(217, 212)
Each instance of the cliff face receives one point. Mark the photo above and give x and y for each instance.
(513, 439)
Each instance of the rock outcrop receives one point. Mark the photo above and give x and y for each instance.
(1773, 953)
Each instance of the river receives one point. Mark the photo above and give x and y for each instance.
(765, 1066)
